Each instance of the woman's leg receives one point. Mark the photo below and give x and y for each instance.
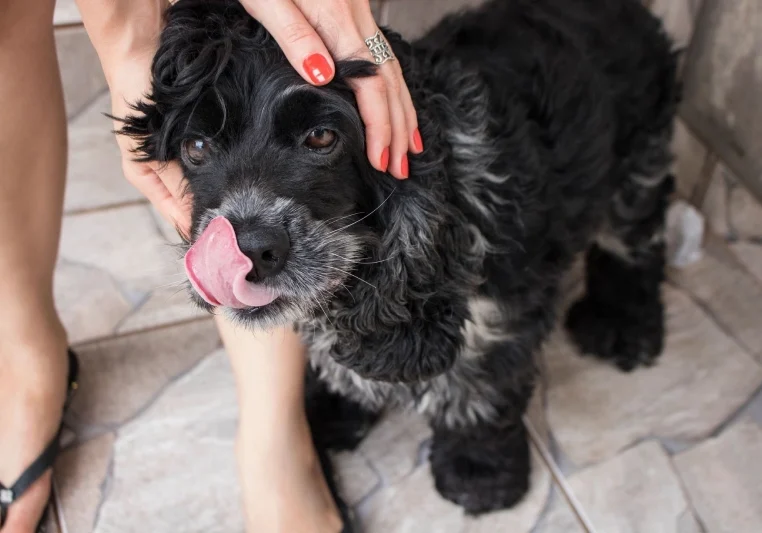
(283, 485)
(33, 364)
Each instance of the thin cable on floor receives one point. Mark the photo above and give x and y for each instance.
(558, 476)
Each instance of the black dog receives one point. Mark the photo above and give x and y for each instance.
(547, 126)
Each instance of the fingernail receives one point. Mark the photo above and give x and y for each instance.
(318, 69)
(404, 167)
(417, 141)
(385, 159)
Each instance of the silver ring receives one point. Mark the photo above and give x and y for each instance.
(379, 48)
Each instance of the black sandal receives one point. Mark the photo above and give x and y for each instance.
(45, 461)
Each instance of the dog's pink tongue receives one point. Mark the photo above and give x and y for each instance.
(217, 269)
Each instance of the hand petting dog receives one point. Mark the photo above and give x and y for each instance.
(310, 32)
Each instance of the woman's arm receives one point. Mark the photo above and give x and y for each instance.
(283, 485)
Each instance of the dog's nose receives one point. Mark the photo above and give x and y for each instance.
(267, 247)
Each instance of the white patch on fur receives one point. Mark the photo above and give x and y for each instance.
(473, 150)
(613, 245)
(461, 397)
(658, 171)
(485, 328)
(480, 245)
(251, 202)
(373, 395)
(648, 182)
(243, 204)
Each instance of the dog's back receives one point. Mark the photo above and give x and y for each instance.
(574, 97)
(617, 46)
(553, 119)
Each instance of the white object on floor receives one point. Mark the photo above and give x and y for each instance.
(684, 234)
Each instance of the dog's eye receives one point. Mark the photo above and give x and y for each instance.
(196, 151)
(320, 140)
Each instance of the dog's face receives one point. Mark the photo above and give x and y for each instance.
(276, 167)
(290, 220)
(283, 170)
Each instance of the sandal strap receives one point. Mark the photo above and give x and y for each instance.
(45, 460)
(40, 465)
(8, 495)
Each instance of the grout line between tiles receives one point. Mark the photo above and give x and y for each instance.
(734, 417)
(712, 316)
(68, 25)
(149, 329)
(559, 478)
(717, 244)
(105, 487)
(115, 427)
(134, 311)
(691, 506)
(106, 207)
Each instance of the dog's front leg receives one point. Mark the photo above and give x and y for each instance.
(480, 452)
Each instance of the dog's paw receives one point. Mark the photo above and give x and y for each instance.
(481, 480)
(628, 340)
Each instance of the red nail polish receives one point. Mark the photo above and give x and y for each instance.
(318, 69)
(404, 167)
(385, 159)
(417, 141)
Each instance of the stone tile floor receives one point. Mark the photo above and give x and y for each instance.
(676, 448)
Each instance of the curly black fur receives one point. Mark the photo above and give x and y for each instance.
(546, 124)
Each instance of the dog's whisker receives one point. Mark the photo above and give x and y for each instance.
(323, 223)
(336, 219)
(324, 312)
(178, 291)
(349, 292)
(350, 274)
(360, 262)
(179, 284)
(366, 216)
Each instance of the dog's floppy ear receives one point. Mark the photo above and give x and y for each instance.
(195, 47)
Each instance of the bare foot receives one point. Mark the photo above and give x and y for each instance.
(32, 393)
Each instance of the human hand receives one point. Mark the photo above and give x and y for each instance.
(125, 33)
(161, 183)
(307, 30)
